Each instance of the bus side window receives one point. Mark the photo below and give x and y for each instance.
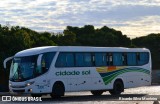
(131, 58)
(138, 56)
(65, 59)
(93, 59)
(87, 59)
(124, 59)
(84, 59)
(117, 59)
(47, 60)
(79, 59)
(70, 60)
(61, 60)
(100, 59)
(110, 59)
(143, 58)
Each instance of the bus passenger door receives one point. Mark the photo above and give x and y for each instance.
(42, 82)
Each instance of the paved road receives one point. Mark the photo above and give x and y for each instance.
(140, 95)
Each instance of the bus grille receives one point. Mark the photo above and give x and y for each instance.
(18, 86)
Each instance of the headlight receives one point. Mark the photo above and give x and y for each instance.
(10, 84)
(30, 83)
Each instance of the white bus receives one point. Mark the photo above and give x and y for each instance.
(55, 70)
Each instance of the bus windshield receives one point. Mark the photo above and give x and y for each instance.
(23, 68)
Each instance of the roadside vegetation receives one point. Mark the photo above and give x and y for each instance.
(18, 38)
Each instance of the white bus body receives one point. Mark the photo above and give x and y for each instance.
(58, 69)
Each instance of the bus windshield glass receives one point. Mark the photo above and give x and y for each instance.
(23, 68)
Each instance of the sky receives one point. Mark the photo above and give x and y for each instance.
(134, 18)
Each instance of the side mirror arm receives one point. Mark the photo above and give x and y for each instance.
(6, 60)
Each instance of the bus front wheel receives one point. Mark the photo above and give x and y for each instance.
(57, 90)
(97, 92)
(118, 88)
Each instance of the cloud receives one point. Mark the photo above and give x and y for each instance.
(141, 27)
(132, 17)
(132, 12)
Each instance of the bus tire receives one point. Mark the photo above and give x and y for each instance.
(57, 90)
(97, 92)
(36, 95)
(118, 88)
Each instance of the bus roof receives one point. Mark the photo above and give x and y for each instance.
(39, 50)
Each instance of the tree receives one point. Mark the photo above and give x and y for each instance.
(152, 42)
(88, 36)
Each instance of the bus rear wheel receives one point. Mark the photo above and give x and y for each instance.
(57, 90)
(97, 92)
(118, 88)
